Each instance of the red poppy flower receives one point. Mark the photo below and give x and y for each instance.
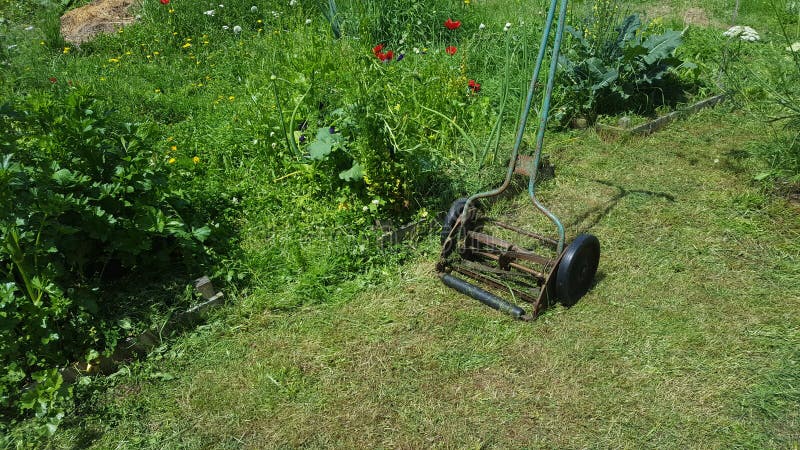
(377, 51)
(452, 24)
(164, 2)
(451, 50)
(475, 87)
(53, 80)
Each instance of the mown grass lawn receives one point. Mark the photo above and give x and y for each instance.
(689, 338)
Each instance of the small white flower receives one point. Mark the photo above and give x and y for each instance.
(308, 21)
(237, 29)
(507, 27)
(794, 47)
(274, 145)
(365, 209)
(293, 3)
(221, 6)
(29, 28)
(271, 134)
(482, 26)
(375, 201)
(224, 27)
(254, 9)
(273, 77)
(210, 13)
(742, 32)
(402, 41)
(416, 50)
(11, 47)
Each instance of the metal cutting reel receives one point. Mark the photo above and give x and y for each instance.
(506, 258)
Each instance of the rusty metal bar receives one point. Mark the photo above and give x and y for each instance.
(489, 281)
(509, 249)
(546, 239)
(519, 267)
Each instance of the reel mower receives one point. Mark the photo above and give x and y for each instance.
(539, 270)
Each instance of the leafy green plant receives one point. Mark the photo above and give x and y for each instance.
(626, 69)
(770, 91)
(83, 201)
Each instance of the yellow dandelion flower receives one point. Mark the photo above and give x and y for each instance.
(66, 50)
(157, 91)
(156, 53)
(186, 45)
(113, 60)
(196, 159)
(231, 98)
(174, 148)
(171, 161)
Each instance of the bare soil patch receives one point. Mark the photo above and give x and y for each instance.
(101, 16)
(696, 16)
(691, 16)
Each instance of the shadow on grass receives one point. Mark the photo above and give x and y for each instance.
(599, 212)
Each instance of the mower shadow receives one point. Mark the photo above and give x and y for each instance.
(599, 212)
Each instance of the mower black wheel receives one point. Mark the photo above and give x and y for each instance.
(452, 217)
(449, 222)
(577, 269)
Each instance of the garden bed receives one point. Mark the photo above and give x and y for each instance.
(658, 123)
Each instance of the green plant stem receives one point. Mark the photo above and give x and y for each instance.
(292, 117)
(496, 129)
(289, 140)
(457, 127)
(19, 262)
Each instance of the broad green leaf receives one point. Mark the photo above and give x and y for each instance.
(661, 46)
(319, 149)
(324, 143)
(352, 174)
(202, 233)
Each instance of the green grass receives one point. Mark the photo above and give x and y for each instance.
(688, 339)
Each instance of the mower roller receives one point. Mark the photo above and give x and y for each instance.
(541, 270)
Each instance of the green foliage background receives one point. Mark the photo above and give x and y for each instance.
(177, 147)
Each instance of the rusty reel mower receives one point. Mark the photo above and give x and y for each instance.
(538, 270)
